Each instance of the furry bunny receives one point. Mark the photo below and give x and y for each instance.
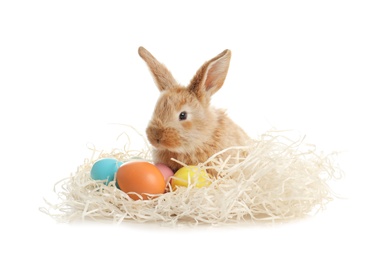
(184, 126)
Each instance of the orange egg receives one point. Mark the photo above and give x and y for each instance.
(142, 178)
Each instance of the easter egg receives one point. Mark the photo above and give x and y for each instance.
(190, 175)
(105, 169)
(165, 171)
(142, 178)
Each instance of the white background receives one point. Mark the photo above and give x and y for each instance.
(69, 69)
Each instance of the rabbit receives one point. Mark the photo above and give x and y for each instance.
(184, 126)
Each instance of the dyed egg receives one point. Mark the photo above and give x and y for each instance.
(190, 175)
(140, 177)
(105, 169)
(165, 171)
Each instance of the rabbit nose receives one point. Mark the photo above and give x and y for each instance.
(155, 134)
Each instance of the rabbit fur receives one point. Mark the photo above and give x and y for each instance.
(184, 126)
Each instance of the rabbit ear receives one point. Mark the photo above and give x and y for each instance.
(162, 76)
(211, 76)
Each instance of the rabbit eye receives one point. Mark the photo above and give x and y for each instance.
(183, 115)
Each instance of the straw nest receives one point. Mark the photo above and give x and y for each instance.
(274, 178)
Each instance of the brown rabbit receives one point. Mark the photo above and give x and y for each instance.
(184, 126)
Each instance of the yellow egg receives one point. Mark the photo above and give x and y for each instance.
(189, 175)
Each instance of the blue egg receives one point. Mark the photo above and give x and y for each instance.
(105, 169)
